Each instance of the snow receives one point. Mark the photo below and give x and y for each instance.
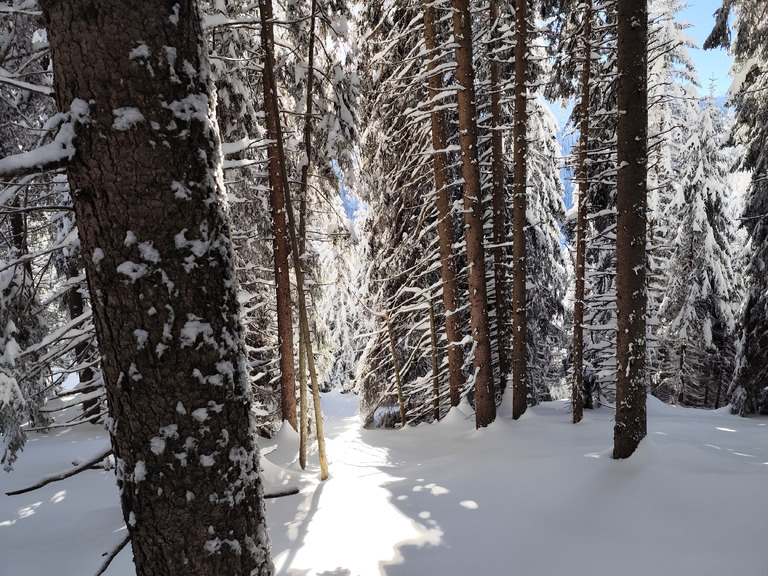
(534, 496)
(126, 118)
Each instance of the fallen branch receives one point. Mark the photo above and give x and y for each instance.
(64, 475)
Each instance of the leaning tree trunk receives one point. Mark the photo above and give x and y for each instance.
(148, 196)
(485, 401)
(443, 205)
(519, 207)
(631, 203)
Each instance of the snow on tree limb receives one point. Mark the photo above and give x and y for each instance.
(65, 474)
(49, 156)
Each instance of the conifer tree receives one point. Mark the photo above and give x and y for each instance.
(750, 94)
(697, 312)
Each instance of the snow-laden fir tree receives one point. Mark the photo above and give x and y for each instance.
(697, 312)
(547, 271)
(749, 92)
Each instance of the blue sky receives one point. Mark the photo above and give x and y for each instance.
(709, 63)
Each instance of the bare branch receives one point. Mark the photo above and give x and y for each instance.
(65, 474)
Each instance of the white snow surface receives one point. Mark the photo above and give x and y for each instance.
(537, 496)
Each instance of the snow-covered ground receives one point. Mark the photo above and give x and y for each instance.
(539, 496)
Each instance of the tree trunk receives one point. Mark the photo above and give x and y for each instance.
(519, 181)
(265, 10)
(485, 401)
(304, 429)
(443, 205)
(577, 401)
(499, 208)
(83, 351)
(631, 203)
(280, 246)
(147, 192)
(435, 366)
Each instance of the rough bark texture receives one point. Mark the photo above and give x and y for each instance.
(280, 247)
(631, 201)
(485, 401)
(148, 196)
(444, 218)
(577, 400)
(519, 253)
(499, 209)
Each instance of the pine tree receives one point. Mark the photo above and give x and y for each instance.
(749, 393)
(698, 310)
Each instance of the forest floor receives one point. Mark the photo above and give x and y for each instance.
(536, 496)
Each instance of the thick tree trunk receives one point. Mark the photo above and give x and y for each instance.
(485, 401)
(631, 202)
(280, 247)
(577, 401)
(147, 192)
(499, 208)
(519, 206)
(443, 205)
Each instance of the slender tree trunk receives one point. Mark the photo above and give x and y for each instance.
(396, 368)
(435, 367)
(681, 371)
(304, 430)
(577, 401)
(719, 381)
(499, 208)
(485, 401)
(443, 205)
(265, 10)
(281, 251)
(83, 350)
(519, 181)
(154, 233)
(631, 201)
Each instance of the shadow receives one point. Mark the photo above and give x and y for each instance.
(301, 534)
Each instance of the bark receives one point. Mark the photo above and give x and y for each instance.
(485, 401)
(577, 401)
(631, 203)
(519, 255)
(148, 196)
(499, 209)
(277, 195)
(443, 205)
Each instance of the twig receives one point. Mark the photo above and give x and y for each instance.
(288, 492)
(111, 555)
(63, 475)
